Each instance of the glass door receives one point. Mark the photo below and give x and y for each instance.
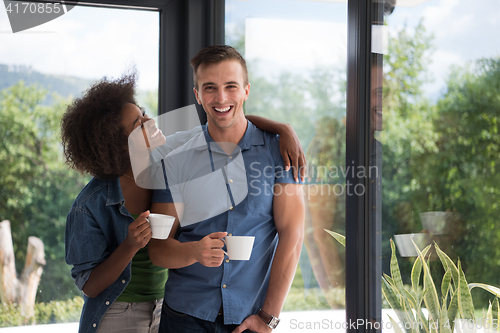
(438, 92)
(296, 52)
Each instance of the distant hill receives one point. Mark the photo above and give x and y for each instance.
(62, 85)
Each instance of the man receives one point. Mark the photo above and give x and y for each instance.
(206, 292)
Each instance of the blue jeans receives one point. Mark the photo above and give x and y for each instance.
(177, 322)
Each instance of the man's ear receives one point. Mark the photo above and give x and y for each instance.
(196, 95)
(247, 91)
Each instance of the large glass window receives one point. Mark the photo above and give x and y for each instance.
(41, 69)
(296, 55)
(438, 146)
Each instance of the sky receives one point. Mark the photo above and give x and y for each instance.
(87, 42)
(294, 35)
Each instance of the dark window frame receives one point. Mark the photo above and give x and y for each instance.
(188, 26)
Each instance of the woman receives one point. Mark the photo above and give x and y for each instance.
(106, 231)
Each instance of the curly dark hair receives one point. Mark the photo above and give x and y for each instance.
(93, 139)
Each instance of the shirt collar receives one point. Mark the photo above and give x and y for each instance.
(114, 195)
(252, 137)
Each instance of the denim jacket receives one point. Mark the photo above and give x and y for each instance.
(96, 224)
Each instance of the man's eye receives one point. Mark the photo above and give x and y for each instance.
(209, 88)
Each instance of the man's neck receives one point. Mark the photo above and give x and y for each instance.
(233, 134)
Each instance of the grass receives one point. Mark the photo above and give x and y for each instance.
(301, 299)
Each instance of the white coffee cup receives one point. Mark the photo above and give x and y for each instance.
(239, 247)
(160, 225)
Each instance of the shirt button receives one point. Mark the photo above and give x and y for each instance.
(227, 260)
(229, 234)
(94, 325)
(230, 180)
(230, 156)
(123, 281)
(231, 208)
(224, 286)
(107, 302)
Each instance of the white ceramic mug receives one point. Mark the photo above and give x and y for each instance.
(239, 247)
(160, 225)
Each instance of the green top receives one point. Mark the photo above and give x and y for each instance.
(148, 280)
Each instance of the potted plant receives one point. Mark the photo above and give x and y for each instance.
(446, 309)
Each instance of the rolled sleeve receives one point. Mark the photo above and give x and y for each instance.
(86, 245)
(81, 278)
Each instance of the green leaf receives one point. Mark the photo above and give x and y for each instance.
(340, 238)
(488, 321)
(431, 299)
(391, 297)
(448, 264)
(444, 322)
(394, 300)
(494, 290)
(453, 308)
(465, 306)
(445, 285)
(417, 270)
(389, 279)
(395, 326)
(394, 266)
(496, 313)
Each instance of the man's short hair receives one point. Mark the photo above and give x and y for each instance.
(216, 54)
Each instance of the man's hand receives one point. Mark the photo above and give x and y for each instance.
(254, 324)
(292, 152)
(208, 251)
(139, 232)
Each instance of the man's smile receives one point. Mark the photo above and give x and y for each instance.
(223, 109)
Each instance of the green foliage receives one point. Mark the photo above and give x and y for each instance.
(45, 313)
(37, 189)
(442, 156)
(10, 75)
(444, 309)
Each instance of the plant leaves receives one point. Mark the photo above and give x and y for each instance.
(340, 238)
(417, 270)
(453, 308)
(445, 285)
(494, 290)
(448, 264)
(444, 322)
(431, 299)
(395, 272)
(465, 306)
(395, 325)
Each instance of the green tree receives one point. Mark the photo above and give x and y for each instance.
(37, 189)
(408, 135)
(469, 146)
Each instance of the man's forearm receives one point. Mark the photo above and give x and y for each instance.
(283, 270)
(171, 253)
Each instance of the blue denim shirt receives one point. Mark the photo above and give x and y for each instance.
(240, 286)
(96, 224)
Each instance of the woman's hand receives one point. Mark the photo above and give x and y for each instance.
(139, 232)
(292, 152)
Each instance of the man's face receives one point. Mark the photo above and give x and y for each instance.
(221, 91)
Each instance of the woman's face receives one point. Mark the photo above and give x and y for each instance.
(134, 118)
